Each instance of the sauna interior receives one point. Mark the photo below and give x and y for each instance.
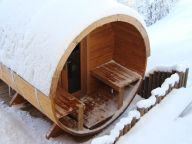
(99, 75)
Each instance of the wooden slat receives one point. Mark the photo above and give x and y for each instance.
(114, 75)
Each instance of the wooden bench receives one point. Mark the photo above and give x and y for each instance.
(66, 103)
(116, 76)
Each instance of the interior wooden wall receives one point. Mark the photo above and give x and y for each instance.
(130, 48)
(100, 45)
(119, 41)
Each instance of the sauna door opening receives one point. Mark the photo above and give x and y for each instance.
(74, 70)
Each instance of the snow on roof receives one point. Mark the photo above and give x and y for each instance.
(35, 34)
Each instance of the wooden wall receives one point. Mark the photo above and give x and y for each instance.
(100, 45)
(129, 49)
(117, 41)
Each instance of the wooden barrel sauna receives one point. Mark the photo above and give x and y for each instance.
(97, 75)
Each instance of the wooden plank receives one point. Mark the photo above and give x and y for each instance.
(126, 49)
(146, 87)
(80, 117)
(120, 97)
(186, 77)
(149, 85)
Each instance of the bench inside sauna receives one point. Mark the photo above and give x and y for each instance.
(100, 77)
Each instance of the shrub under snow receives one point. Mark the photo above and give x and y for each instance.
(152, 10)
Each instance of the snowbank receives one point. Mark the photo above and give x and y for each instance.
(166, 68)
(147, 103)
(165, 120)
(118, 128)
(35, 34)
(17, 126)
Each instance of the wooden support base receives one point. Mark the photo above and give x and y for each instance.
(17, 99)
(54, 131)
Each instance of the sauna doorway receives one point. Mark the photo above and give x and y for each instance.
(73, 76)
(74, 70)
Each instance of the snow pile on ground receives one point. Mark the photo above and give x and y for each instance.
(163, 124)
(164, 68)
(115, 132)
(147, 103)
(17, 126)
(152, 10)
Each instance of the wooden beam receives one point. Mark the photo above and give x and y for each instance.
(120, 97)
(17, 99)
(54, 131)
(80, 117)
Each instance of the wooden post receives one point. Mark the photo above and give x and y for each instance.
(126, 128)
(80, 117)
(121, 132)
(120, 98)
(176, 85)
(158, 99)
(146, 87)
(186, 77)
(141, 110)
(158, 79)
(17, 99)
(54, 131)
(180, 79)
(133, 122)
(150, 85)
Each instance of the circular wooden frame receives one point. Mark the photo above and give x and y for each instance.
(119, 17)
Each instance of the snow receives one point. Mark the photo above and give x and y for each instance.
(134, 114)
(167, 68)
(147, 103)
(103, 140)
(171, 81)
(171, 38)
(169, 122)
(18, 126)
(115, 132)
(160, 91)
(35, 34)
(165, 120)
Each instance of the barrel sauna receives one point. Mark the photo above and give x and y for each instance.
(100, 60)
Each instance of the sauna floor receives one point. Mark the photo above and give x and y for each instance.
(99, 108)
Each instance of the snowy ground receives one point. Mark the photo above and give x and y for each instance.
(171, 38)
(166, 123)
(171, 43)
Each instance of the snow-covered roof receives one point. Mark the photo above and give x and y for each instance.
(35, 34)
